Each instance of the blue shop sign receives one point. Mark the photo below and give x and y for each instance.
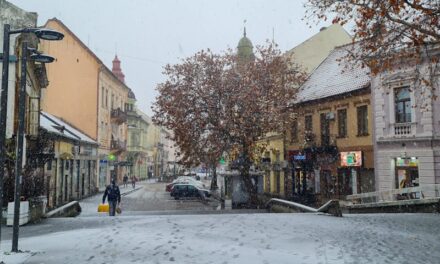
(102, 161)
(299, 157)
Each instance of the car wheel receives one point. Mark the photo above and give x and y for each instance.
(176, 198)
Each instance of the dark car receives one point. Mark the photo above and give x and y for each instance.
(188, 190)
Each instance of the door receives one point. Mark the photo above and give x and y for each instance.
(71, 179)
(192, 191)
(66, 177)
(60, 198)
(82, 184)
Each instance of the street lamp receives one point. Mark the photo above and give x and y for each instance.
(41, 33)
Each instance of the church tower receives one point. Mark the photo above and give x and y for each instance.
(116, 69)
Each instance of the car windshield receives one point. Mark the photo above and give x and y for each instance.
(220, 131)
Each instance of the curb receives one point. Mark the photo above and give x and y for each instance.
(131, 191)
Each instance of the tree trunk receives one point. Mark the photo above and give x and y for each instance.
(214, 178)
(246, 177)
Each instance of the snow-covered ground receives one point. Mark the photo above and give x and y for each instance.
(239, 238)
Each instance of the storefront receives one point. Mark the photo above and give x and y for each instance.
(355, 174)
(302, 174)
(407, 172)
(314, 171)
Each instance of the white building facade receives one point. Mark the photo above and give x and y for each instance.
(407, 126)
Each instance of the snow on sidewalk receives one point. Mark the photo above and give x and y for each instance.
(89, 206)
(245, 238)
(13, 258)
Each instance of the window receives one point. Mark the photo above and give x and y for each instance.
(342, 123)
(106, 98)
(294, 132)
(102, 97)
(325, 129)
(112, 101)
(402, 104)
(362, 120)
(308, 123)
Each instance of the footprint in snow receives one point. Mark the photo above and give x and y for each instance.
(90, 258)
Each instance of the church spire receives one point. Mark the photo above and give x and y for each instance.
(116, 69)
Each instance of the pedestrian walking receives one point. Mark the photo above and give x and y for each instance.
(133, 181)
(125, 180)
(113, 196)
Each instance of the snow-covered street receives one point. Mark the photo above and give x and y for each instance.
(238, 238)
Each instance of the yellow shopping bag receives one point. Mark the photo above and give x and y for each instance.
(103, 208)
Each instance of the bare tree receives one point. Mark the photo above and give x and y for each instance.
(217, 103)
(388, 32)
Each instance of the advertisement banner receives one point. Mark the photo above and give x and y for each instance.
(351, 159)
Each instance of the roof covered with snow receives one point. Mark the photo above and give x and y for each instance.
(57, 126)
(333, 77)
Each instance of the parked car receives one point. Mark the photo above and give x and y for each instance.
(180, 190)
(184, 180)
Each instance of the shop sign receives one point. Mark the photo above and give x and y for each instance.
(351, 159)
(407, 162)
(299, 157)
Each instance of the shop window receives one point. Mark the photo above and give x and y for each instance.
(402, 105)
(407, 173)
(308, 124)
(342, 123)
(362, 120)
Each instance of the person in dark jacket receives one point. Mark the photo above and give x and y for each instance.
(125, 180)
(113, 196)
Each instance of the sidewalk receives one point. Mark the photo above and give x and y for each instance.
(89, 205)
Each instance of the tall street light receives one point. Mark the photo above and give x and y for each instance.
(42, 33)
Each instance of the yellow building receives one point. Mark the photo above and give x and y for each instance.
(85, 93)
(73, 80)
(112, 124)
(330, 144)
(309, 54)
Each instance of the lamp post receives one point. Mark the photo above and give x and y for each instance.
(38, 57)
(42, 33)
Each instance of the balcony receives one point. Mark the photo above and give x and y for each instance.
(118, 116)
(117, 146)
(403, 129)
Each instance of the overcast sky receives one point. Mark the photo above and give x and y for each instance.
(147, 34)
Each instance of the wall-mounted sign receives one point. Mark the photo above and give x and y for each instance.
(407, 162)
(351, 159)
(299, 157)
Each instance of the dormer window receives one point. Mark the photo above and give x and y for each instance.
(402, 103)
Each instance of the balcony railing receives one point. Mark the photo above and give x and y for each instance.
(118, 145)
(118, 115)
(403, 129)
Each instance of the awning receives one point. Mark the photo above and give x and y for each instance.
(66, 156)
